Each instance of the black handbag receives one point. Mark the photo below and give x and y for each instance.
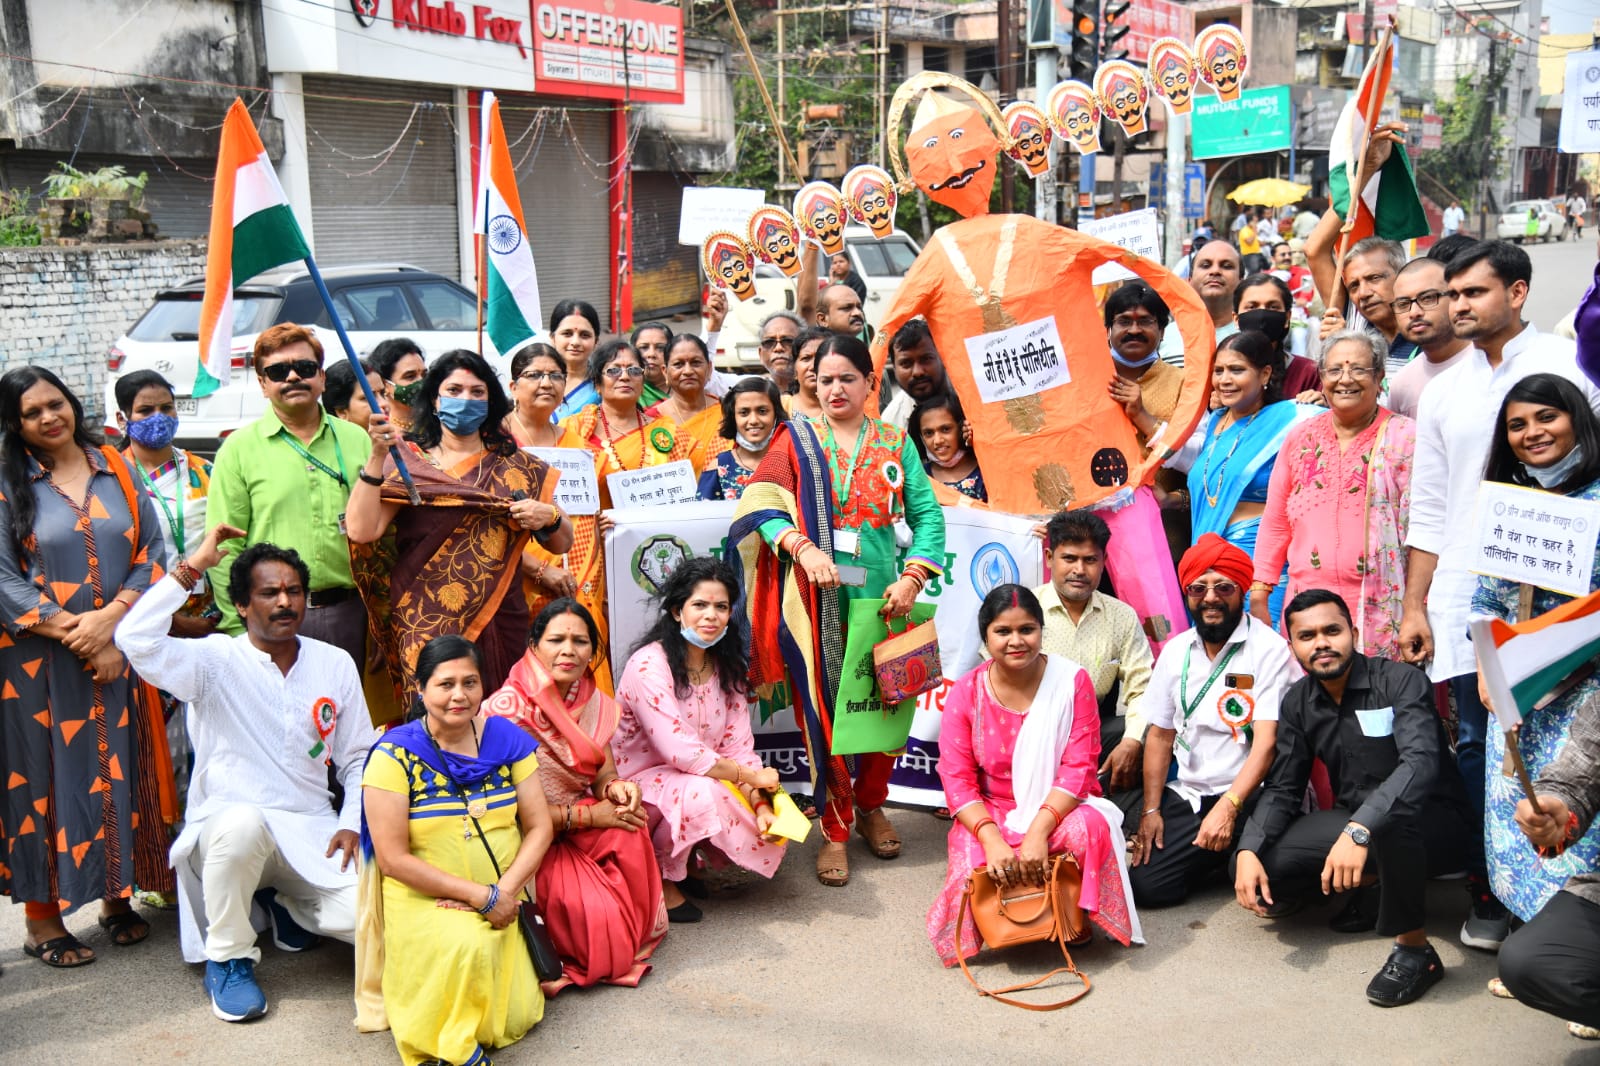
(546, 963)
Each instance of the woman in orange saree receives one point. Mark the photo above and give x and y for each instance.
(696, 413)
(621, 436)
(599, 886)
(447, 566)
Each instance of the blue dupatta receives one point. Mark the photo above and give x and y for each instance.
(576, 400)
(1253, 445)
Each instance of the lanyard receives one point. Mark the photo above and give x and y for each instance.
(843, 490)
(174, 524)
(337, 475)
(1183, 681)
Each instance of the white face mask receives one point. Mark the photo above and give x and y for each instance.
(697, 640)
(752, 445)
(1557, 473)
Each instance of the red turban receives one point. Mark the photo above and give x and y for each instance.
(1211, 552)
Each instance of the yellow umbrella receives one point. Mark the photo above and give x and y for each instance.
(1269, 192)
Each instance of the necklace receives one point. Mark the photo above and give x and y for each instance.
(1205, 476)
(529, 434)
(608, 441)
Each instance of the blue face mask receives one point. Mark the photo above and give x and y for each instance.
(154, 431)
(461, 415)
(1556, 474)
(694, 638)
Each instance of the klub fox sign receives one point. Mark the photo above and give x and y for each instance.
(476, 20)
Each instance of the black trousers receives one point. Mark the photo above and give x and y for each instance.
(1553, 963)
(1403, 855)
(1175, 870)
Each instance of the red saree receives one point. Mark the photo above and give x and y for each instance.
(600, 889)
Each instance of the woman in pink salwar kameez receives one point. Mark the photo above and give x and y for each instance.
(1339, 496)
(685, 734)
(1019, 747)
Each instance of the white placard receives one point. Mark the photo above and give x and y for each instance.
(982, 549)
(578, 491)
(653, 486)
(1137, 231)
(1540, 538)
(706, 209)
(1019, 361)
(1580, 104)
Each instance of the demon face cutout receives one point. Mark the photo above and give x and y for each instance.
(820, 210)
(729, 263)
(1122, 91)
(1030, 131)
(775, 238)
(1219, 49)
(1074, 111)
(870, 193)
(1172, 73)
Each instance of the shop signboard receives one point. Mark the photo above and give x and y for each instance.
(1257, 122)
(609, 49)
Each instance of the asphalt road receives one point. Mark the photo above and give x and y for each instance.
(1562, 271)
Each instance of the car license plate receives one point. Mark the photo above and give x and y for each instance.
(188, 405)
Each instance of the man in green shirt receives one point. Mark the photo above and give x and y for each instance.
(286, 478)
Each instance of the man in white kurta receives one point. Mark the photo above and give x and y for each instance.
(267, 712)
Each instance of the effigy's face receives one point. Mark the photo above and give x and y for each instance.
(952, 160)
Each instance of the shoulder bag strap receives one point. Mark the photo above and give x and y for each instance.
(467, 805)
(999, 993)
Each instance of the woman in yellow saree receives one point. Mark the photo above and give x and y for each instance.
(689, 407)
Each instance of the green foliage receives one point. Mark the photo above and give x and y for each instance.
(1473, 143)
(19, 225)
(108, 183)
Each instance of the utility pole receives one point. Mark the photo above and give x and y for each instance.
(883, 83)
(1044, 187)
(1008, 92)
(783, 114)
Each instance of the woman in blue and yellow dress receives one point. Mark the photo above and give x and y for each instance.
(439, 958)
(816, 529)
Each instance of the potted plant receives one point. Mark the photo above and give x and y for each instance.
(99, 204)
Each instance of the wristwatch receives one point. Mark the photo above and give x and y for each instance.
(1358, 834)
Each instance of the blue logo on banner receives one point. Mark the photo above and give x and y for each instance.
(993, 566)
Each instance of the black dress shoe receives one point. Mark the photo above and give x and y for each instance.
(1408, 973)
(684, 913)
(694, 888)
(1360, 914)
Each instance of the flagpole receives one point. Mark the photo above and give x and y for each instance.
(361, 375)
(483, 256)
(1369, 123)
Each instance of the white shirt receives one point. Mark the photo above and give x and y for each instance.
(1209, 752)
(254, 733)
(1408, 383)
(1453, 217)
(1455, 423)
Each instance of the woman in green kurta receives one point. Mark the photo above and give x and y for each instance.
(820, 515)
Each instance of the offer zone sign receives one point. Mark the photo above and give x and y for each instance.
(609, 49)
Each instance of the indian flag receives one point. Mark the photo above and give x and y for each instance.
(1388, 205)
(509, 285)
(252, 229)
(1524, 662)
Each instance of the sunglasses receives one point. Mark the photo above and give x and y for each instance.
(1223, 589)
(304, 369)
(769, 343)
(615, 372)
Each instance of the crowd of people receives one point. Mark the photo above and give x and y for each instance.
(294, 691)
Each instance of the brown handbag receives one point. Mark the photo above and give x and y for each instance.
(1026, 914)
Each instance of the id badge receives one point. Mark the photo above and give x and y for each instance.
(854, 576)
(847, 542)
(343, 532)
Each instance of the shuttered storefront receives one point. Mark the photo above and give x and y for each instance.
(561, 155)
(665, 277)
(373, 205)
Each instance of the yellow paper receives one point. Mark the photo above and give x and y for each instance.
(787, 821)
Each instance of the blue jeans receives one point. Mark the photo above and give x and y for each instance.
(1472, 723)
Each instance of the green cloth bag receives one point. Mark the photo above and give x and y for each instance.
(861, 722)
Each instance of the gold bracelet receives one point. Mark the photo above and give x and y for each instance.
(1261, 586)
(1238, 804)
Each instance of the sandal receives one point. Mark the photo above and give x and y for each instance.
(126, 928)
(833, 864)
(876, 829)
(50, 952)
(1498, 989)
(807, 805)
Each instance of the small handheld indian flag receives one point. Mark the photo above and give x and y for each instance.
(252, 229)
(509, 286)
(1524, 664)
(1387, 205)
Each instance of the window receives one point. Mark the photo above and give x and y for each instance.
(375, 307)
(445, 306)
(177, 318)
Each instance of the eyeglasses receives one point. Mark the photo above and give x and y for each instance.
(769, 343)
(1223, 589)
(1135, 322)
(615, 372)
(1425, 300)
(537, 376)
(1355, 373)
(304, 369)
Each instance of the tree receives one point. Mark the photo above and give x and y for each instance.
(1473, 144)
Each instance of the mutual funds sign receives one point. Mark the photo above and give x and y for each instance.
(982, 549)
(609, 49)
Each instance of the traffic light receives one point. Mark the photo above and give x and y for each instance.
(1085, 55)
(1116, 28)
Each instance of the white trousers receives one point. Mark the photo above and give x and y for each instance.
(236, 857)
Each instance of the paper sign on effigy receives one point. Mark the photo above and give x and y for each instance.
(1540, 538)
(653, 486)
(1020, 361)
(578, 491)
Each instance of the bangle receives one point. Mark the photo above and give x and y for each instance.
(554, 522)
(186, 575)
(375, 482)
(1238, 804)
(494, 897)
(1261, 586)
(1054, 813)
(979, 827)
(1150, 810)
(1566, 838)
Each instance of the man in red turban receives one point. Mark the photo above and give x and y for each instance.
(1212, 704)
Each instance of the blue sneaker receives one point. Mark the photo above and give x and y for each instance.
(235, 996)
(287, 934)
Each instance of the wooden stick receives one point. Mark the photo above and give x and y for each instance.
(1514, 753)
(766, 97)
